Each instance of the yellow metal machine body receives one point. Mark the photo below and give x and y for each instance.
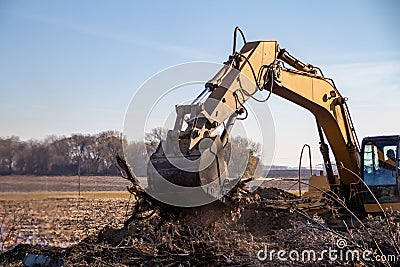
(304, 86)
(263, 65)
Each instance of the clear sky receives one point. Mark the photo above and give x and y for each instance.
(72, 66)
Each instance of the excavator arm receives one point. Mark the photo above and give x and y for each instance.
(195, 155)
(264, 64)
(192, 156)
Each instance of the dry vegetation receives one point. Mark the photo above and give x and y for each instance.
(57, 221)
(217, 234)
(89, 231)
(25, 183)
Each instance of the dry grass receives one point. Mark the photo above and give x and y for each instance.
(57, 195)
(59, 220)
(92, 228)
(25, 183)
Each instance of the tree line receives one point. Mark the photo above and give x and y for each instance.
(89, 154)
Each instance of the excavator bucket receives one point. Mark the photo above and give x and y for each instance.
(172, 173)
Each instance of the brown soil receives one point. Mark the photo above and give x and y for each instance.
(214, 235)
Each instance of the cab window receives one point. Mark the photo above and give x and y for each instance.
(381, 169)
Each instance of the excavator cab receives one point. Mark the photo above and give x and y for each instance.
(381, 172)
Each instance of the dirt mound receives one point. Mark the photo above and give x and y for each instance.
(273, 193)
(229, 232)
(226, 242)
(220, 233)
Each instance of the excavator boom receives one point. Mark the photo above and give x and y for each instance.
(260, 65)
(302, 84)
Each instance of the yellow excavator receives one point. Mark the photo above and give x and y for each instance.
(366, 174)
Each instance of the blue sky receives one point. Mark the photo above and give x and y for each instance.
(72, 66)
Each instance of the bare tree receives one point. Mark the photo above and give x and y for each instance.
(153, 138)
(8, 148)
(245, 156)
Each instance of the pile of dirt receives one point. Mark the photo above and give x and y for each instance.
(274, 193)
(229, 232)
(193, 237)
(219, 233)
